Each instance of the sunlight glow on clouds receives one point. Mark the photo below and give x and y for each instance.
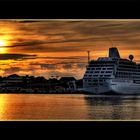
(59, 48)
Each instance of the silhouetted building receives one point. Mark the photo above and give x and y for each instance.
(79, 83)
(30, 84)
(68, 83)
(67, 79)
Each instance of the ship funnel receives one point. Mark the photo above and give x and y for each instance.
(113, 52)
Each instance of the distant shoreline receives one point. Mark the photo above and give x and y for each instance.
(70, 93)
(42, 93)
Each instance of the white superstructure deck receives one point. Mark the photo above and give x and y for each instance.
(112, 74)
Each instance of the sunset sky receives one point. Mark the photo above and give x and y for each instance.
(59, 47)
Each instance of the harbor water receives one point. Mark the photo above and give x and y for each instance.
(68, 107)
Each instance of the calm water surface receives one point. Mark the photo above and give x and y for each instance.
(77, 106)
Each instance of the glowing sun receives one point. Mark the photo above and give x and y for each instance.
(2, 43)
(2, 48)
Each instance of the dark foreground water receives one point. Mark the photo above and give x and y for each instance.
(68, 107)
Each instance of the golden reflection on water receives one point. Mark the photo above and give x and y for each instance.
(56, 107)
(29, 106)
(2, 106)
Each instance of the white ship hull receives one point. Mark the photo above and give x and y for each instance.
(112, 74)
(120, 87)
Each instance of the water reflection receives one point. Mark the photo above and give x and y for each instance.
(113, 107)
(78, 106)
(42, 107)
(3, 101)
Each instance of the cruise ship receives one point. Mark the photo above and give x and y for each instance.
(112, 74)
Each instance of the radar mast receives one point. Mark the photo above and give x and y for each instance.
(88, 56)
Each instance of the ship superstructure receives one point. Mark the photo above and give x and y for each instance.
(112, 74)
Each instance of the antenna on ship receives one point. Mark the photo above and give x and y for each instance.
(111, 42)
(88, 56)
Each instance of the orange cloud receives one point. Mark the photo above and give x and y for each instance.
(60, 47)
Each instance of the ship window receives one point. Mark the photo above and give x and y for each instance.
(104, 68)
(87, 71)
(106, 75)
(102, 71)
(108, 71)
(96, 72)
(95, 84)
(109, 68)
(98, 68)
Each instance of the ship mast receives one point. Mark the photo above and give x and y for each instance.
(88, 56)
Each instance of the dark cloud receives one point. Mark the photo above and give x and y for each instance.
(76, 40)
(16, 56)
(69, 57)
(110, 25)
(48, 66)
(67, 66)
(22, 43)
(78, 32)
(81, 65)
(64, 65)
(40, 44)
(12, 70)
(27, 21)
(60, 74)
(66, 37)
(66, 32)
